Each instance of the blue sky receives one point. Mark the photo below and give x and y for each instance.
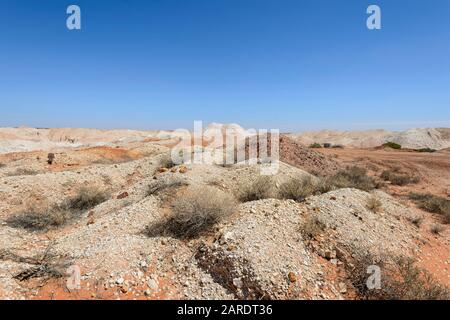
(288, 64)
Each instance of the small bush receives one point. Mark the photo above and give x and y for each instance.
(437, 229)
(2, 165)
(194, 213)
(298, 189)
(312, 227)
(417, 221)
(166, 161)
(392, 145)
(429, 150)
(86, 198)
(261, 188)
(315, 145)
(353, 177)
(373, 204)
(402, 279)
(338, 146)
(432, 203)
(34, 219)
(159, 186)
(398, 179)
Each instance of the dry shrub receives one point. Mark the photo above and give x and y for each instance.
(194, 213)
(432, 203)
(261, 188)
(417, 221)
(86, 198)
(399, 179)
(166, 161)
(353, 177)
(401, 279)
(311, 227)
(374, 204)
(437, 229)
(160, 186)
(299, 189)
(50, 217)
(39, 219)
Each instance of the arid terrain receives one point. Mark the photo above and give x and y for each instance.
(112, 205)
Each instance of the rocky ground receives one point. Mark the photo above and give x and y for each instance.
(259, 252)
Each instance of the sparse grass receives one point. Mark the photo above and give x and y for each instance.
(353, 177)
(437, 229)
(392, 145)
(315, 145)
(45, 266)
(401, 279)
(298, 189)
(2, 165)
(194, 214)
(159, 186)
(86, 198)
(417, 221)
(374, 204)
(23, 172)
(432, 203)
(399, 179)
(311, 227)
(261, 188)
(51, 217)
(34, 219)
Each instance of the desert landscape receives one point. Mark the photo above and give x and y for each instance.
(109, 211)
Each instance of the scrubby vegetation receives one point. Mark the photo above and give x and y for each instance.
(23, 172)
(261, 188)
(374, 204)
(401, 279)
(392, 145)
(159, 186)
(311, 227)
(301, 188)
(397, 178)
(352, 177)
(315, 145)
(194, 213)
(428, 150)
(432, 203)
(50, 217)
(437, 229)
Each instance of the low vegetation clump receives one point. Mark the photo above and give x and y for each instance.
(432, 203)
(353, 177)
(299, 189)
(398, 179)
(2, 165)
(401, 279)
(374, 204)
(194, 213)
(437, 229)
(23, 172)
(51, 217)
(159, 186)
(428, 150)
(417, 221)
(392, 145)
(261, 188)
(312, 227)
(166, 161)
(315, 145)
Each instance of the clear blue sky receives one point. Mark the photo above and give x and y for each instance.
(288, 64)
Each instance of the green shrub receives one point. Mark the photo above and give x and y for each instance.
(429, 150)
(315, 145)
(392, 145)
